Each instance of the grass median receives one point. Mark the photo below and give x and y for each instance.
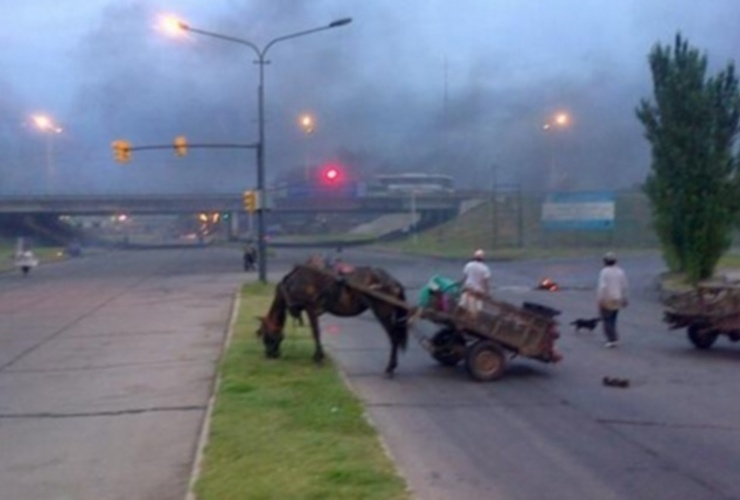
(288, 428)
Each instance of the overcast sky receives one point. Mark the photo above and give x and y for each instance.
(461, 87)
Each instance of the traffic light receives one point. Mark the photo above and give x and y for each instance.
(181, 145)
(250, 201)
(121, 151)
(332, 175)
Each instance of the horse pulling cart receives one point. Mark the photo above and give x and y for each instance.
(706, 312)
(499, 331)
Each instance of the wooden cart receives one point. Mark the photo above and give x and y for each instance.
(706, 312)
(499, 331)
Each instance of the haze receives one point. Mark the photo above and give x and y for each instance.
(462, 88)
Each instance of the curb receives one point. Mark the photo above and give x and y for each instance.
(206, 423)
(368, 418)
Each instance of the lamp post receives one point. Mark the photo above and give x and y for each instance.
(47, 126)
(261, 54)
(560, 120)
(308, 124)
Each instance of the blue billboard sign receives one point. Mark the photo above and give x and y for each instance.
(588, 210)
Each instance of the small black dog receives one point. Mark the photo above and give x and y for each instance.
(588, 324)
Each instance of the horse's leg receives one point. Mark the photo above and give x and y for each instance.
(395, 323)
(313, 320)
(388, 320)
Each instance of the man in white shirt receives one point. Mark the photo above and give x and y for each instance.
(475, 282)
(611, 295)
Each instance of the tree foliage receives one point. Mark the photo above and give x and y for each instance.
(693, 186)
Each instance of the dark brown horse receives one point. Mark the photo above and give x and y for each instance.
(316, 289)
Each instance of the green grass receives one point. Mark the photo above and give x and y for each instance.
(287, 428)
(460, 236)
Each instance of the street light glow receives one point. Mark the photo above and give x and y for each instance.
(45, 124)
(307, 123)
(560, 120)
(173, 25)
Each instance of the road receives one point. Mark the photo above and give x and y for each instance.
(106, 367)
(555, 431)
(107, 364)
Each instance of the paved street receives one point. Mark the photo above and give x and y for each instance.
(554, 431)
(107, 364)
(106, 367)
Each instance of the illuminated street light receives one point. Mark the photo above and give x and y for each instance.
(560, 120)
(47, 126)
(307, 123)
(176, 26)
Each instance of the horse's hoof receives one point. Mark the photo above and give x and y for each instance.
(389, 374)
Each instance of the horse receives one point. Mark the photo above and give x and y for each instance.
(316, 289)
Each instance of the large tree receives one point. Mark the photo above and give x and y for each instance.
(693, 186)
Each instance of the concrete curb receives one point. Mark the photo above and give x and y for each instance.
(368, 418)
(206, 424)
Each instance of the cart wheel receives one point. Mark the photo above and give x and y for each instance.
(449, 347)
(702, 339)
(485, 361)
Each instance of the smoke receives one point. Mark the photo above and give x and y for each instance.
(408, 86)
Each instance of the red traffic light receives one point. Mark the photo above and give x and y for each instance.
(332, 175)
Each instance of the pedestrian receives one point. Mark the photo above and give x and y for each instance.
(476, 283)
(611, 294)
(249, 256)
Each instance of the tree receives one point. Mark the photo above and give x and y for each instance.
(693, 186)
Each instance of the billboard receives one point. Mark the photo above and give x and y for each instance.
(588, 210)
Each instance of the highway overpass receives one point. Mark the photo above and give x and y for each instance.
(151, 204)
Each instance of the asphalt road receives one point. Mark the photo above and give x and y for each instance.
(106, 367)
(555, 431)
(107, 364)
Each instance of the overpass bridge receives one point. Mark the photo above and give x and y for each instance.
(162, 204)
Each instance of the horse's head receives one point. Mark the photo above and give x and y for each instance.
(272, 336)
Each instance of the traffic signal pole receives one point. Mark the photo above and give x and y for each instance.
(261, 243)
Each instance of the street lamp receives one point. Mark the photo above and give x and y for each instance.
(307, 123)
(48, 127)
(172, 25)
(560, 120)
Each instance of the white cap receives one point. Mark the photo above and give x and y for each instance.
(479, 254)
(610, 257)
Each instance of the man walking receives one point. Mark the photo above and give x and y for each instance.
(611, 294)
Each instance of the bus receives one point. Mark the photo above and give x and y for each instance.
(419, 183)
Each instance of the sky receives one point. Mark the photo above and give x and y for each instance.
(456, 87)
